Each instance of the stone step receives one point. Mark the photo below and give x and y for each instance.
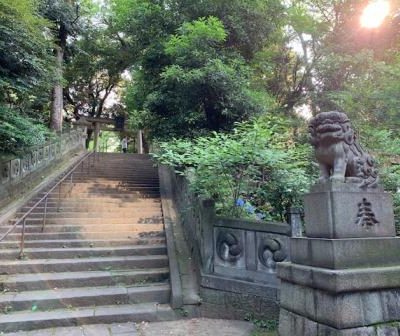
(83, 252)
(120, 213)
(117, 174)
(43, 281)
(125, 195)
(108, 190)
(85, 230)
(135, 200)
(120, 174)
(112, 158)
(144, 167)
(114, 180)
(122, 177)
(82, 192)
(101, 257)
(89, 206)
(133, 196)
(154, 218)
(117, 171)
(82, 264)
(43, 300)
(138, 239)
(113, 184)
(75, 235)
(96, 186)
(26, 320)
(104, 206)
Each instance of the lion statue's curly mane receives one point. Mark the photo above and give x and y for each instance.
(340, 156)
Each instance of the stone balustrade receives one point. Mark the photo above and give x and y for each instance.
(19, 171)
(237, 258)
(250, 250)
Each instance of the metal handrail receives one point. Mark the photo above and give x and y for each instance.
(44, 198)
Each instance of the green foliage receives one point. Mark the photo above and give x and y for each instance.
(26, 61)
(194, 37)
(205, 87)
(256, 171)
(371, 96)
(19, 132)
(63, 14)
(250, 25)
(263, 327)
(93, 72)
(191, 74)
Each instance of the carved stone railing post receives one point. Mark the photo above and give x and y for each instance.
(207, 219)
(344, 276)
(295, 221)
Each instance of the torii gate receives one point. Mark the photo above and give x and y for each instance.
(117, 124)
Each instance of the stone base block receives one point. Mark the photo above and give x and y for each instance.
(292, 324)
(345, 253)
(343, 210)
(343, 310)
(340, 281)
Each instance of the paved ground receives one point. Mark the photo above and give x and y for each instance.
(190, 327)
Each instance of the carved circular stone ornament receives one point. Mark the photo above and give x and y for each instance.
(270, 252)
(228, 247)
(5, 172)
(15, 168)
(25, 164)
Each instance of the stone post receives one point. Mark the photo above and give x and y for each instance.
(96, 137)
(140, 142)
(344, 276)
(295, 221)
(207, 220)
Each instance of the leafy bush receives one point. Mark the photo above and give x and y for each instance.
(256, 171)
(202, 85)
(26, 57)
(18, 132)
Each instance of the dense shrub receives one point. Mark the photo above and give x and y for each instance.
(256, 171)
(19, 132)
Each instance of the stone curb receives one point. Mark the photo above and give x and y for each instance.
(192, 327)
(169, 216)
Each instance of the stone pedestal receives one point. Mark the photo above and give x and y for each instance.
(344, 278)
(343, 210)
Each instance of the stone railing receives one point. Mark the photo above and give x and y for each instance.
(237, 258)
(19, 169)
(249, 250)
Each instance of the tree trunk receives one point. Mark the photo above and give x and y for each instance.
(57, 95)
(89, 137)
(213, 116)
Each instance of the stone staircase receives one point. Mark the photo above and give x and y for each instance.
(102, 256)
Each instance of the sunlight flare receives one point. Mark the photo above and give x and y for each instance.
(375, 13)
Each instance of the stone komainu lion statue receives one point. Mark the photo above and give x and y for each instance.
(338, 153)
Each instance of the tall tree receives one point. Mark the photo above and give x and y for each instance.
(65, 15)
(26, 72)
(191, 68)
(26, 64)
(336, 49)
(93, 73)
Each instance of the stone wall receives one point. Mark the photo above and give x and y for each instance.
(22, 173)
(237, 258)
